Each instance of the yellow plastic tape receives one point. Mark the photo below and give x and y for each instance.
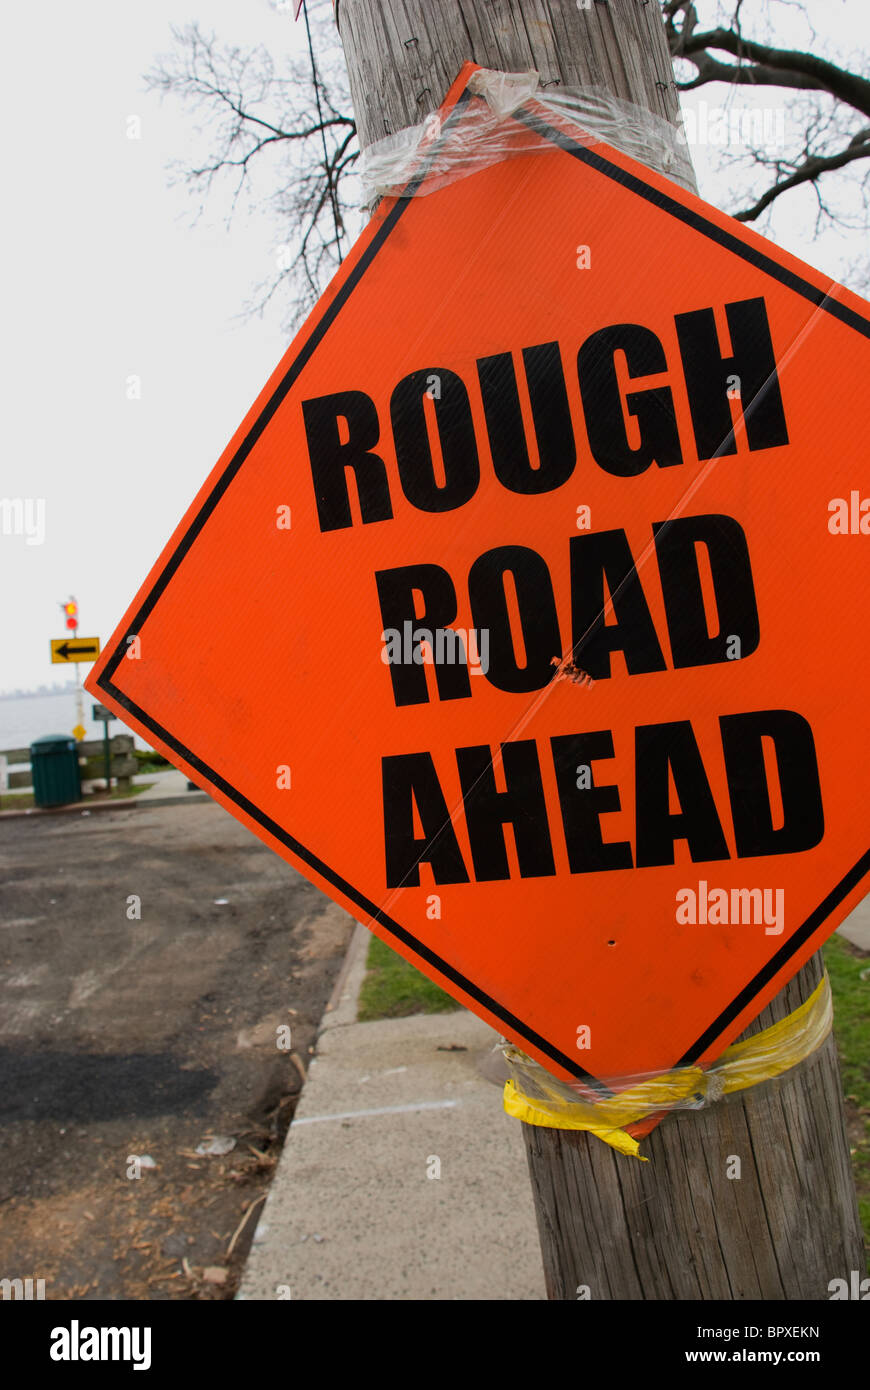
(760, 1058)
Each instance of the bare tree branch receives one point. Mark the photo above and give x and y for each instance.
(709, 69)
(291, 145)
(810, 171)
(823, 137)
(251, 113)
(845, 86)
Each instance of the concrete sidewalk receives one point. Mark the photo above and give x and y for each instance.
(401, 1176)
(168, 786)
(856, 927)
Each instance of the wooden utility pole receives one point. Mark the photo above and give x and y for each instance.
(684, 1225)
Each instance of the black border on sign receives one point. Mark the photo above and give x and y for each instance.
(693, 218)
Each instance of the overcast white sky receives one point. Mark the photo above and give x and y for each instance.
(103, 276)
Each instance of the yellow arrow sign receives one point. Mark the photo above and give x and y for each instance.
(65, 649)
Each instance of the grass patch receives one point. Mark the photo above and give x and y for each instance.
(151, 761)
(394, 989)
(852, 1032)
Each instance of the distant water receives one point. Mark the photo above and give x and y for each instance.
(27, 717)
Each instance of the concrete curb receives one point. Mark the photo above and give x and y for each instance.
(183, 798)
(77, 808)
(341, 1008)
(123, 803)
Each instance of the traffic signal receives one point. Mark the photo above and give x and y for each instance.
(71, 609)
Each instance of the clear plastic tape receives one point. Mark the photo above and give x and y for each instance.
(536, 1097)
(448, 149)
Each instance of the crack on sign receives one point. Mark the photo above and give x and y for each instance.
(567, 669)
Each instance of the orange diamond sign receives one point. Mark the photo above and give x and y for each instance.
(542, 567)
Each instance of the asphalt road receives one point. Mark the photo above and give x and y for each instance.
(124, 1036)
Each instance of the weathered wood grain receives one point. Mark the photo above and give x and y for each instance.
(676, 1227)
(403, 54)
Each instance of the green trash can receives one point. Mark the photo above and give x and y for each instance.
(54, 763)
